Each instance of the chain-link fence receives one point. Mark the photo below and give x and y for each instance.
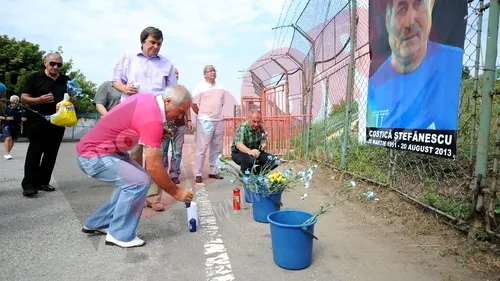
(327, 67)
(86, 121)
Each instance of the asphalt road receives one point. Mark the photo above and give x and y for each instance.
(41, 237)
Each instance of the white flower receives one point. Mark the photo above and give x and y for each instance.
(304, 196)
(307, 184)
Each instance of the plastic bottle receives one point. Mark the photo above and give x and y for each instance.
(137, 85)
(192, 225)
(192, 213)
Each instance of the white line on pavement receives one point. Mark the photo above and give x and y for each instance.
(218, 266)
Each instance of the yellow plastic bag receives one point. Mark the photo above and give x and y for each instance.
(65, 115)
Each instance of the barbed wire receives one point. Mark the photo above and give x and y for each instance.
(321, 43)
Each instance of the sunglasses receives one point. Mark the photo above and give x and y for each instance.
(52, 63)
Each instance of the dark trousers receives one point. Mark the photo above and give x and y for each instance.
(44, 142)
(246, 161)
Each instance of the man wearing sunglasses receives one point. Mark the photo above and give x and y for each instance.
(42, 91)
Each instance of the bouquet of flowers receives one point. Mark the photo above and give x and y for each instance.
(74, 89)
(263, 181)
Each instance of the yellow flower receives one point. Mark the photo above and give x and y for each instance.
(276, 178)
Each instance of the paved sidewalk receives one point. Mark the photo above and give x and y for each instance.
(41, 237)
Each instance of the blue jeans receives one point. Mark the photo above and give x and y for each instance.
(175, 160)
(121, 213)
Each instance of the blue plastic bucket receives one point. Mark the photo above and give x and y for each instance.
(292, 242)
(248, 194)
(264, 204)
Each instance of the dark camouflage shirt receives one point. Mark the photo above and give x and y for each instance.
(247, 136)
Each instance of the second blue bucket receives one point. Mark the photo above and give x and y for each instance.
(264, 204)
(248, 195)
(292, 241)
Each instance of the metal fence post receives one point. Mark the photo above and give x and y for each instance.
(476, 83)
(313, 73)
(483, 140)
(490, 212)
(325, 117)
(350, 85)
(392, 168)
(311, 96)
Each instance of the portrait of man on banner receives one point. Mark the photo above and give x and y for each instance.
(416, 49)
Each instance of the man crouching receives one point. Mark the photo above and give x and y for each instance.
(102, 154)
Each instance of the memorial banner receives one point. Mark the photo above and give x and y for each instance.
(416, 52)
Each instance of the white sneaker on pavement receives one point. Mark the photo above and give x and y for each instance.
(136, 242)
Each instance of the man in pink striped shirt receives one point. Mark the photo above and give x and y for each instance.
(102, 155)
(208, 102)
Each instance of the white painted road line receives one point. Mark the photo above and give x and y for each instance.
(218, 266)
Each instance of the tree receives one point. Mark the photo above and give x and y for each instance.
(465, 72)
(20, 58)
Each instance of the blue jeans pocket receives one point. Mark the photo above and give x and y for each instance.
(95, 165)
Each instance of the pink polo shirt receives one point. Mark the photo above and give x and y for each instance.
(138, 119)
(210, 100)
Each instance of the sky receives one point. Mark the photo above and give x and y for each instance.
(231, 35)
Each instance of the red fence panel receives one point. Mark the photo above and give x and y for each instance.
(280, 130)
(280, 126)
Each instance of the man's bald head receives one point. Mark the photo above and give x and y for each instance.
(408, 24)
(254, 111)
(53, 56)
(53, 63)
(255, 119)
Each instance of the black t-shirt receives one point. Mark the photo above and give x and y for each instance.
(17, 113)
(39, 84)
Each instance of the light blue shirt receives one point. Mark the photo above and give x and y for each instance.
(427, 98)
(154, 74)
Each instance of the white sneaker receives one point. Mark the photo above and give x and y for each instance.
(136, 242)
(7, 157)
